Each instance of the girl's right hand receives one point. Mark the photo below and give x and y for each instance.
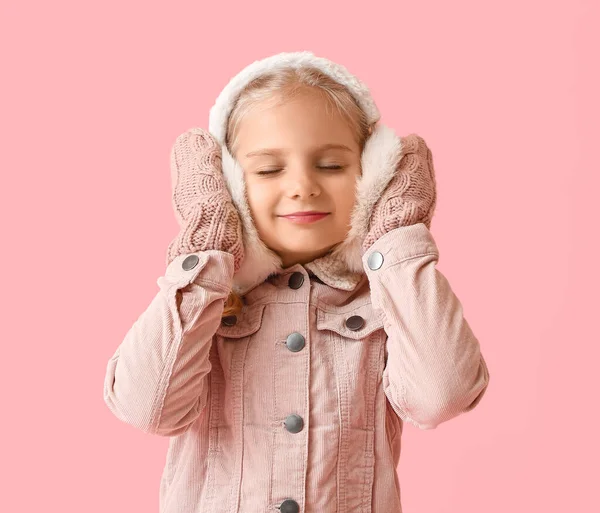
(202, 203)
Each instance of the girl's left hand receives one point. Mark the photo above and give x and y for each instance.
(410, 196)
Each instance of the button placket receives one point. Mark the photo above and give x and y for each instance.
(293, 423)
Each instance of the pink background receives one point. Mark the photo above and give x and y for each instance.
(94, 94)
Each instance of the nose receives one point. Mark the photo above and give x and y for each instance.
(301, 183)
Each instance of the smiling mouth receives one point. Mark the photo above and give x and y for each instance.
(303, 218)
(305, 212)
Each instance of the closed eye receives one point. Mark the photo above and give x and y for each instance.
(268, 172)
(272, 171)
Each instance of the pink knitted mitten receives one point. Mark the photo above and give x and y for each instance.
(202, 203)
(410, 196)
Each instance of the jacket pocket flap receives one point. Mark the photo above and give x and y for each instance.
(356, 324)
(244, 324)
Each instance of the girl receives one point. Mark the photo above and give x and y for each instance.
(301, 319)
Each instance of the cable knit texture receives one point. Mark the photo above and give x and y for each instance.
(202, 203)
(410, 196)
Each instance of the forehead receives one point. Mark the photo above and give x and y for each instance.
(303, 122)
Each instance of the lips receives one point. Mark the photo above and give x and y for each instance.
(309, 216)
(305, 213)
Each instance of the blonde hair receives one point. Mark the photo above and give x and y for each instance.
(283, 85)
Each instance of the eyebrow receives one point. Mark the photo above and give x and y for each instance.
(275, 152)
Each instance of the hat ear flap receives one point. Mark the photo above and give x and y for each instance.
(234, 178)
(379, 159)
(259, 261)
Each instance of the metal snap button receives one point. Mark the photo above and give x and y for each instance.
(294, 423)
(355, 322)
(289, 506)
(190, 262)
(375, 260)
(230, 320)
(296, 280)
(295, 342)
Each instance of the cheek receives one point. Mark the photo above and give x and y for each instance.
(258, 199)
(346, 194)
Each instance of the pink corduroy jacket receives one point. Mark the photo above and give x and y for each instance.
(297, 404)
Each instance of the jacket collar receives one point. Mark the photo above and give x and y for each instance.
(342, 267)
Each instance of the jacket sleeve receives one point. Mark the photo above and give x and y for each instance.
(434, 369)
(156, 379)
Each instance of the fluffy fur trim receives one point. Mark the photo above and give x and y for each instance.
(220, 111)
(259, 261)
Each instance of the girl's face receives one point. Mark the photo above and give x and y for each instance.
(299, 156)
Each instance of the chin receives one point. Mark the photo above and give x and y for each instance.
(307, 250)
(301, 242)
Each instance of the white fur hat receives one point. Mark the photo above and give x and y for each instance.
(219, 113)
